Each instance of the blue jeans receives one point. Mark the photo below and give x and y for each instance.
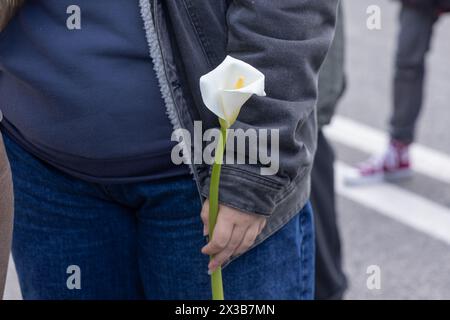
(80, 240)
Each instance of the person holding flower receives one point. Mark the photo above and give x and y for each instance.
(85, 88)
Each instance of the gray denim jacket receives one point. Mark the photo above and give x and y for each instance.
(285, 39)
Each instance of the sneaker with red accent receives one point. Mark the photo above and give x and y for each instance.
(393, 165)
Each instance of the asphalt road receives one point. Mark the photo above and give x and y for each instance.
(409, 244)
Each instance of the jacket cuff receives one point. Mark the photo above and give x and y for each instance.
(245, 191)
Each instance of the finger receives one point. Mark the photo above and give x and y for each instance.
(262, 226)
(205, 217)
(248, 240)
(220, 237)
(219, 259)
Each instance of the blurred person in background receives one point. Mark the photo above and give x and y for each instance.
(417, 19)
(331, 282)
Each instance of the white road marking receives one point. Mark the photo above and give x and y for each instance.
(426, 161)
(396, 203)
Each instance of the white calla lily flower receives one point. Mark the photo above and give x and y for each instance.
(224, 91)
(228, 87)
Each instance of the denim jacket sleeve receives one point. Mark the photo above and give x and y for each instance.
(287, 41)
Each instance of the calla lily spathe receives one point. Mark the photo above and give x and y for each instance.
(220, 93)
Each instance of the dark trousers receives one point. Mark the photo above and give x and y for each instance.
(330, 279)
(413, 43)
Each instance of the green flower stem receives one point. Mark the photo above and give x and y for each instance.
(216, 277)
